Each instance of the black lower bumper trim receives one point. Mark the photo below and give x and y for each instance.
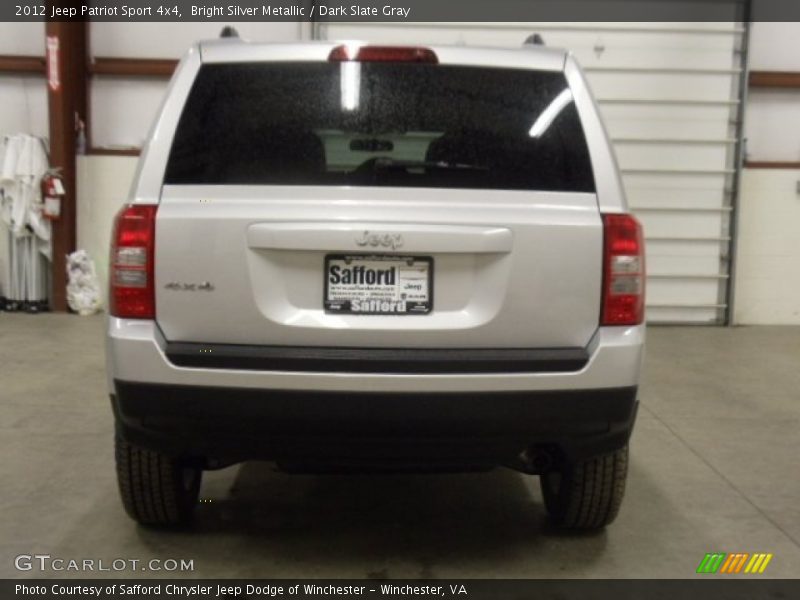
(376, 360)
(241, 424)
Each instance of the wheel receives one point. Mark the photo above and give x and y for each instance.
(156, 489)
(588, 494)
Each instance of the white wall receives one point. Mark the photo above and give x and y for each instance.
(768, 257)
(768, 272)
(774, 46)
(23, 98)
(103, 184)
(170, 40)
(772, 124)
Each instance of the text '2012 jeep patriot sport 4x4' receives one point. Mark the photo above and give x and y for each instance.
(376, 257)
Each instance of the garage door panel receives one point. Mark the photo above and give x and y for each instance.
(699, 200)
(640, 57)
(674, 257)
(676, 225)
(666, 86)
(695, 265)
(659, 155)
(689, 292)
(666, 121)
(679, 182)
(688, 250)
(645, 50)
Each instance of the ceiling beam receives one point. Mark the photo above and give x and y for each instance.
(133, 67)
(775, 79)
(32, 65)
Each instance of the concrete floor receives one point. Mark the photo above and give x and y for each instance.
(715, 467)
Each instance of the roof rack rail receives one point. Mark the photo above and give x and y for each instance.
(228, 32)
(534, 40)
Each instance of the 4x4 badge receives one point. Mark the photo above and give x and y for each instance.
(203, 286)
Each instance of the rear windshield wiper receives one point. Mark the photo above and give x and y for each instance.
(384, 163)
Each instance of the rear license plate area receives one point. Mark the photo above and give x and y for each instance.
(378, 284)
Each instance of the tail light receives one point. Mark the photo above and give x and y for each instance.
(132, 290)
(345, 53)
(623, 271)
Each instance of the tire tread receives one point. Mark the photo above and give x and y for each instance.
(591, 492)
(151, 487)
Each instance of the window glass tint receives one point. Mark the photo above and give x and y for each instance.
(380, 124)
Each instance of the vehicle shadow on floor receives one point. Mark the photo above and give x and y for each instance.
(419, 517)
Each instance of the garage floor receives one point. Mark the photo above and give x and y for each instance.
(715, 467)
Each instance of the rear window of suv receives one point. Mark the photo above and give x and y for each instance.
(380, 124)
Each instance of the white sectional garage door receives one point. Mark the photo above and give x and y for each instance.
(669, 93)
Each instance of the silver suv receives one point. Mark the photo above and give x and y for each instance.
(354, 257)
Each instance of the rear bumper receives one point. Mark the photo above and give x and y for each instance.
(136, 351)
(263, 405)
(476, 429)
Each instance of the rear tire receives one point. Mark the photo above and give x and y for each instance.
(586, 495)
(156, 489)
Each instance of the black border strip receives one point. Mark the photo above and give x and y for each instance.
(411, 11)
(375, 360)
(708, 588)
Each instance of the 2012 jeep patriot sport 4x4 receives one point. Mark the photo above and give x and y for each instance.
(352, 256)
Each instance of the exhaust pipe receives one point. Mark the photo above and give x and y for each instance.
(535, 460)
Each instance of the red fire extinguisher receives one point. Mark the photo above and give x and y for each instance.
(52, 192)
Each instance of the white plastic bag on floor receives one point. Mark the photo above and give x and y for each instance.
(83, 289)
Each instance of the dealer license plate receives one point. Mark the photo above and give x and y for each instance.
(378, 284)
